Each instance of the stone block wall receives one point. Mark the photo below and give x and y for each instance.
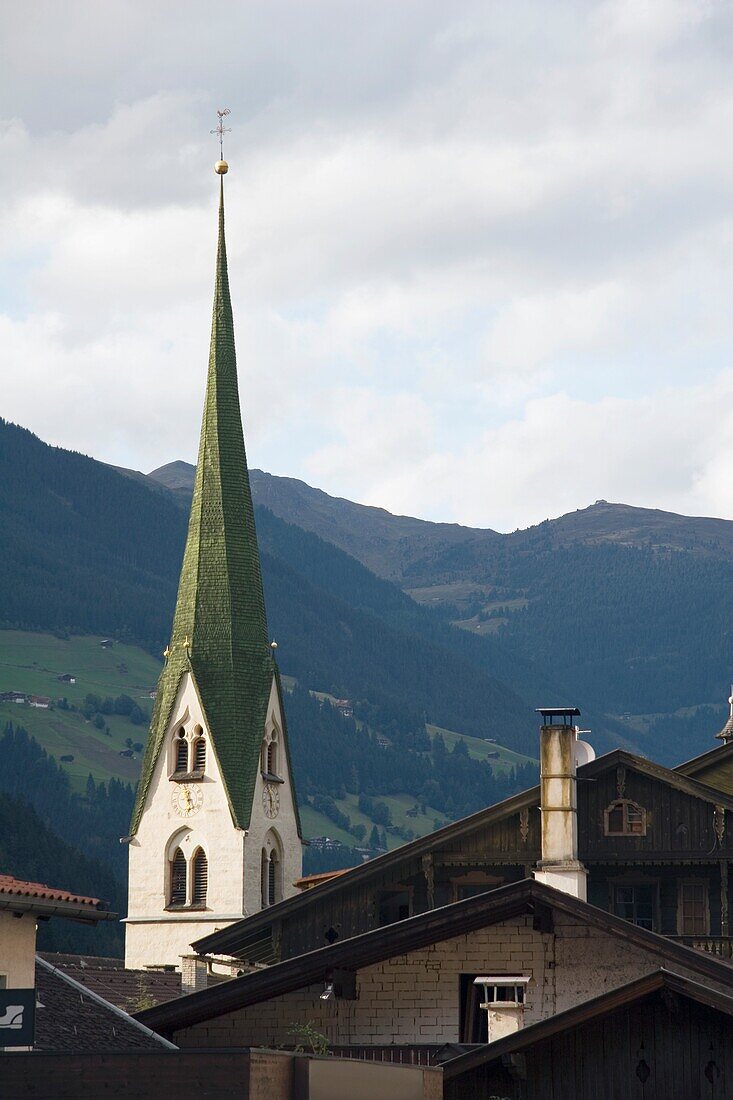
(414, 998)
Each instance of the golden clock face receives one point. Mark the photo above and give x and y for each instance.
(271, 800)
(186, 800)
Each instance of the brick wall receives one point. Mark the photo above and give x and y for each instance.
(414, 998)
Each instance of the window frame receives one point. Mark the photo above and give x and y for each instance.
(171, 903)
(703, 884)
(398, 888)
(194, 902)
(636, 884)
(624, 804)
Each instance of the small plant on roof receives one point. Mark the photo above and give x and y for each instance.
(306, 1038)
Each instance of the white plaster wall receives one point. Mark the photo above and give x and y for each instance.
(284, 825)
(154, 936)
(18, 950)
(414, 998)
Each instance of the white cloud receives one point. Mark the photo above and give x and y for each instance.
(446, 223)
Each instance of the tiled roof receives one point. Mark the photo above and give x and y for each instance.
(131, 990)
(219, 628)
(11, 885)
(73, 1018)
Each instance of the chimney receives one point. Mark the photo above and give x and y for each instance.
(561, 751)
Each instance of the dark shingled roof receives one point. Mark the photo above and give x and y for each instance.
(70, 1017)
(219, 628)
(131, 990)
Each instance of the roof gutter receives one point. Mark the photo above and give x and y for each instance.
(16, 903)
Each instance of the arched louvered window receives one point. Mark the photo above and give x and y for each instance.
(178, 879)
(199, 755)
(200, 878)
(181, 751)
(264, 874)
(271, 767)
(272, 879)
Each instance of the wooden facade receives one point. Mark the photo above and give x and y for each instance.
(670, 875)
(661, 1045)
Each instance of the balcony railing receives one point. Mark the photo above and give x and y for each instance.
(414, 1054)
(713, 945)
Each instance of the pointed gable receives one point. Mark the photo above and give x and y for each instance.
(220, 629)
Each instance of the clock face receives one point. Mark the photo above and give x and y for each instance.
(271, 800)
(187, 801)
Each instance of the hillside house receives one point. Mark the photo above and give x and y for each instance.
(42, 702)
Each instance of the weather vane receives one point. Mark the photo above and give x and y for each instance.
(221, 129)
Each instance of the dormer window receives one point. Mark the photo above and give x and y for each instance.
(181, 751)
(624, 818)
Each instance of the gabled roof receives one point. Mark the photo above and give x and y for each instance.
(233, 939)
(21, 896)
(583, 1013)
(707, 759)
(227, 939)
(434, 926)
(70, 1017)
(671, 777)
(219, 627)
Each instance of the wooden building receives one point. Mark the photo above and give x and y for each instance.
(661, 1037)
(409, 991)
(656, 842)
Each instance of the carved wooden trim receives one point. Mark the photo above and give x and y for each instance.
(524, 825)
(429, 871)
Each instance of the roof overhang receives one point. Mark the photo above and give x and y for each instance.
(49, 907)
(434, 926)
(583, 1013)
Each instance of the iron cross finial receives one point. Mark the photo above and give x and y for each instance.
(221, 129)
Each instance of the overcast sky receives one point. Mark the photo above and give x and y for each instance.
(480, 253)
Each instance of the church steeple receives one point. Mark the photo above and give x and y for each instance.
(219, 629)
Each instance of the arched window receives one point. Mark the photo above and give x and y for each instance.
(178, 879)
(272, 758)
(273, 879)
(271, 871)
(624, 818)
(199, 754)
(181, 751)
(264, 877)
(269, 763)
(200, 879)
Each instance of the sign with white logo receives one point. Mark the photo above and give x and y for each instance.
(17, 1017)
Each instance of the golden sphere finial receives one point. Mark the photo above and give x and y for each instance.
(221, 168)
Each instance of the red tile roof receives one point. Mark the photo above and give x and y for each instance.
(10, 885)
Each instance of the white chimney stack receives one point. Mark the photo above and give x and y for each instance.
(561, 752)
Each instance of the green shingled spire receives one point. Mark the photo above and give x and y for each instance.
(219, 627)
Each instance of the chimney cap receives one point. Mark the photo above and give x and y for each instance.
(549, 714)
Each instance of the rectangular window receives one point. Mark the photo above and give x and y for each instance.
(693, 909)
(636, 904)
(394, 905)
(3, 981)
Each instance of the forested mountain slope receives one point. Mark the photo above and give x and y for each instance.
(85, 549)
(623, 610)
